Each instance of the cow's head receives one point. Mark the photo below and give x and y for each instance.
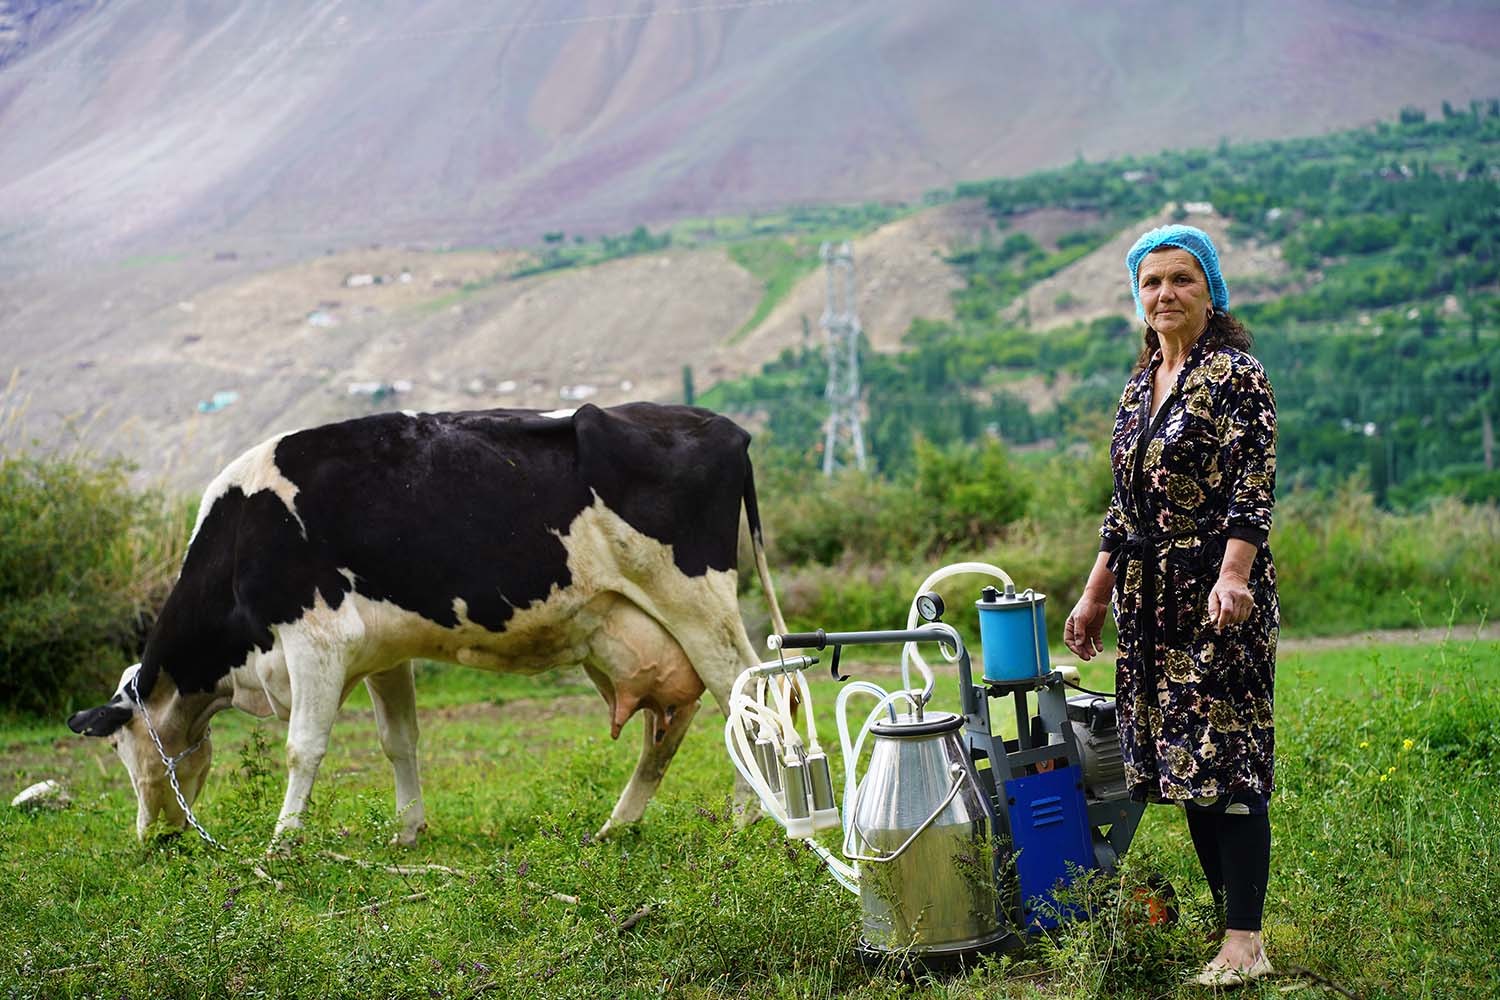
(123, 722)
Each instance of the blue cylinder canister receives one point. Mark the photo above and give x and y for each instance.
(1013, 632)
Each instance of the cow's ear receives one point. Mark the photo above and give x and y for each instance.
(101, 721)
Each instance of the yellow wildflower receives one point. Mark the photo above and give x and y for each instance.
(1408, 743)
(1364, 744)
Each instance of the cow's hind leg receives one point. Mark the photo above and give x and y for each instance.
(713, 637)
(636, 663)
(658, 746)
(393, 693)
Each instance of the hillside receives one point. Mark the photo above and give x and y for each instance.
(1001, 306)
(136, 127)
(307, 342)
(1366, 263)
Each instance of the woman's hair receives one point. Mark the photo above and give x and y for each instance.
(1223, 330)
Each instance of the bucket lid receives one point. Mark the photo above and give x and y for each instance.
(906, 727)
(991, 599)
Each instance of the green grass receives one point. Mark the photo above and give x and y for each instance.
(460, 295)
(1384, 868)
(778, 264)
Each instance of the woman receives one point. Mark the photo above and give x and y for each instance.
(1184, 556)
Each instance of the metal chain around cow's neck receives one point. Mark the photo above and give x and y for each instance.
(134, 692)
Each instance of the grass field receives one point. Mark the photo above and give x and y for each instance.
(1384, 877)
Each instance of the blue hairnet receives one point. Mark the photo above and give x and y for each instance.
(1195, 242)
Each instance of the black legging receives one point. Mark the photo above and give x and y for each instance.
(1235, 852)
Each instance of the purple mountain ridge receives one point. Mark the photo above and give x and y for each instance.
(140, 124)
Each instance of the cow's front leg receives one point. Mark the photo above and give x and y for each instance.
(394, 695)
(316, 676)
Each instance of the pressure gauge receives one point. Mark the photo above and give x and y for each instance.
(929, 606)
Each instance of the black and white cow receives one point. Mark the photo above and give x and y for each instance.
(502, 539)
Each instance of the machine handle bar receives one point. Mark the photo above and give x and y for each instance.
(798, 640)
(821, 639)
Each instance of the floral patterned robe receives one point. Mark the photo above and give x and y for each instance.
(1194, 704)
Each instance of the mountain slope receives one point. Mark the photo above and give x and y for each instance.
(140, 124)
(307, 342)
(303, 343)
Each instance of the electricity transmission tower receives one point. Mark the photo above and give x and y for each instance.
(842, 430)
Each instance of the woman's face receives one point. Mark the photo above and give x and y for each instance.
(1174, 293)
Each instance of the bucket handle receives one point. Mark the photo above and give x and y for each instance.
(959, 776)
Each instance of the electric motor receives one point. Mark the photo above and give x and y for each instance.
(1097, 733)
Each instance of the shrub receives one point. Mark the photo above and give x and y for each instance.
(958, 494)
(1345, 565)
(972, 490)
(85, 564)
(850, 553)
(1052, 559)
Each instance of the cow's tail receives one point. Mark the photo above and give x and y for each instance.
(758, 547)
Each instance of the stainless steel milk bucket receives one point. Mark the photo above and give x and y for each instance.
(922, 839)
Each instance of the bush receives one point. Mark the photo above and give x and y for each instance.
(958, 494)
(1344, 565)
(970, 490)
(859, 593)
(85, 564)
(851, 552)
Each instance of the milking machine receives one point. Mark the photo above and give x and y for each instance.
(956, 839)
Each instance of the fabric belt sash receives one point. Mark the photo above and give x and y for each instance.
(1148, 551)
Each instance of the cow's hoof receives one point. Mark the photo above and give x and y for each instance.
(748, 815)
(408, 838)
(284, 844)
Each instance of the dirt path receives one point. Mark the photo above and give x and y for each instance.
(1489, 632)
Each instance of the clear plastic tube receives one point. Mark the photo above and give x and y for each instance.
(742, 755)
(812, 724)
(909, 653)
(843, 873)
(790, 738)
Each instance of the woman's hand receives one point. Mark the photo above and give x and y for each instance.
(1083, 631)
(1230, 602)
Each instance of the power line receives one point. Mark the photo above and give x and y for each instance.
(842, 431)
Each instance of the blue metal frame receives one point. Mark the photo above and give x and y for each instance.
(1050, 836)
